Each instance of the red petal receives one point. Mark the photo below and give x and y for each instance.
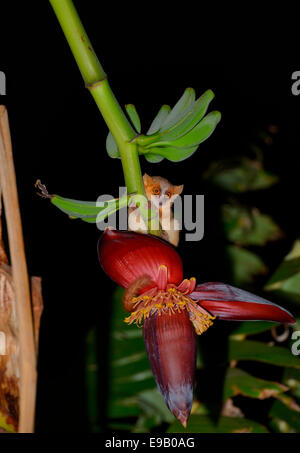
(234, 304)
(126, 255)
(162, 277)
(170, 342)
(187, 286)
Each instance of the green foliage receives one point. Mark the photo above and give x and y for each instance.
(89, 211)
(111, 146)
(240, 175)
(204, 424)
(97, 211)
(179, 110)
(286, 279)
(291, 418)
(252, 328)
(261, 352)
(178, 149)
(238, 382)
(291, 378)
(245, 265)
(174, 134)
(245, 226)
(159, 119)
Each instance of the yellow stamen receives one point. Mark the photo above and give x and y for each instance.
(169, 302)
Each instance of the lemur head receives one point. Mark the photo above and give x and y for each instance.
(160, 191)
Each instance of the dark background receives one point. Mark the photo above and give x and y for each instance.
(59, 136)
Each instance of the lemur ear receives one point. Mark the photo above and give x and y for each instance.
(178, 189)
(146, 179)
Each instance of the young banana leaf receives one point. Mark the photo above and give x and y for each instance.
(174, 134)
(88, 211)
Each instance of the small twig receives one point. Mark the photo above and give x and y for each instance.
(3, 256)
(37, 306)
(20, 278)
(43, 190)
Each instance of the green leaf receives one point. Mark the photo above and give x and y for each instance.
(289, 289)
(253, 327)
(282, 412)
(287, 277)
(286, 270)
(291, 377)
(181, 149)
(88, 210)
(153, 411)
(238, 382)
(111, 147)
(177, 135)
(280, 426)
(153, 158)
(134, 117)
(204, 424)
(75, 207)
(190, 118)
(179, 109)
(172, 153)
(240, 176)
(244, 265)
(261, 352)
(159, 119)
(288, 401)
(245, 226)
(197, 135)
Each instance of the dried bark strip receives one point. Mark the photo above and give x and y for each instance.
(18, 322)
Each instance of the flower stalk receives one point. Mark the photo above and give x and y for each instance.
(96, 81)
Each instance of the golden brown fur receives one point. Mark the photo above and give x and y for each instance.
(161, 195)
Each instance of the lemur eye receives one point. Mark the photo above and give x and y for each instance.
(156, 191)
(168, 194)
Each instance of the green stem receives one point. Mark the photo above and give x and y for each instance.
(96, 81)
(122, 133)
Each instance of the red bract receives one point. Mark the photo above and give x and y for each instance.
(125, 256)
(172, 310)
(171, 347)
(234, 304)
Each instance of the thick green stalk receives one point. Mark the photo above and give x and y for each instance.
(122, 133)
(96, 81)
